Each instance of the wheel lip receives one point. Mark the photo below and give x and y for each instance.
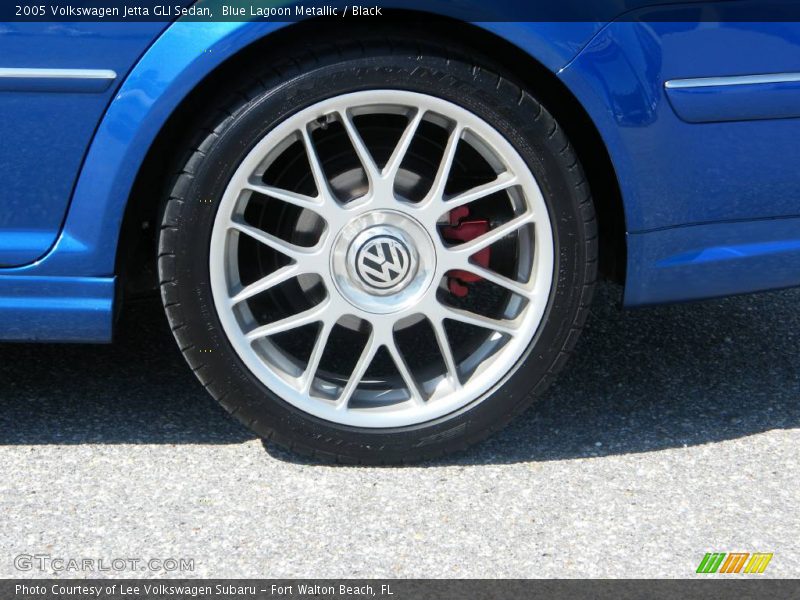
(482, 383)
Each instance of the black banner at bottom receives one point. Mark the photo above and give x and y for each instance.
(394, 589)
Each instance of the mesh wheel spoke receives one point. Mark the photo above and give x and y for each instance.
(301, 319)
(446, 351)
(299, 200)
(399, 153)
(293, 251)
(265, 283)
(522, 289)
(364, 155)
(320, 179)
(503, 182)
(493, 236)
(314, 359)
(414, 390)
(446, 164)
(477, 320)
(364, 361)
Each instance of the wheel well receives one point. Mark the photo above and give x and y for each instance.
(136, 256)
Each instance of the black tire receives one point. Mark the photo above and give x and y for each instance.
(239, 122)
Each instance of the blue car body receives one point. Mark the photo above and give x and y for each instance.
(700, 121)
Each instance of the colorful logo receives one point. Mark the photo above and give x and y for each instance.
(734, 562)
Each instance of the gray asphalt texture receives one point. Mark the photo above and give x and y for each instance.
(674, 431)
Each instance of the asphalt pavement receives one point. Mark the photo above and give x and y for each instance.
(674, 431)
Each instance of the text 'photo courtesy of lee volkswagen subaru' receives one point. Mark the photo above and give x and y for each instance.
(379, 245)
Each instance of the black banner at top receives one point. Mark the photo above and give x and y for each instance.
(465, 10)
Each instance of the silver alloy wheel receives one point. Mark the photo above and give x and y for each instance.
(379, 264)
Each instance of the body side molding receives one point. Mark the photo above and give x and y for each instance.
(735, 98)
(56, 80)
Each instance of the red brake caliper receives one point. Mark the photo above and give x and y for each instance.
(463, 230)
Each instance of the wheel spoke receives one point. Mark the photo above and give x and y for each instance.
(471, 318)
(281, 275)
(521, 289)
(399, 153)
(502, 182)
(364, 361)
(414, 390)
(316, 354)
(301, 319)
(320, 179)
(364, 155)
(299, 200)
(293, 251)
(490, 237)
(446, 164)
(446, 351)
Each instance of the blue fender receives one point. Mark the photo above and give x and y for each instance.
(175, 64)
(712, 200)
(48, 300)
